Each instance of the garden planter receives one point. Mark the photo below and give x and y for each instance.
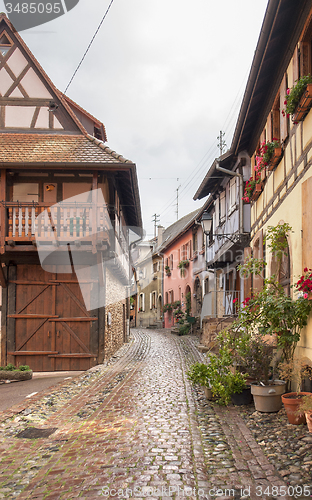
(257, 191)
(275, 159)
(243, 398)
(15, 375)
(291, 402)
(267, 398)
(207, 392)
(304, 105)
(308, 415)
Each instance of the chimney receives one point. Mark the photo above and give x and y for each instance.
(160, 231)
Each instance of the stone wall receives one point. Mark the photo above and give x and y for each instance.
(115, 311)
(210, 328)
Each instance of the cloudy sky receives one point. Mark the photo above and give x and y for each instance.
(164, 76)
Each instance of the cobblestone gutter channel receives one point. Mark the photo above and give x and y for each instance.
(137, 428)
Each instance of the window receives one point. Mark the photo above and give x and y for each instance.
(206, 286)
(217, 212)
(171, 261)
(153, 300)
(195, 248)
(233, 195)
(171, 296)
(222, 207)
(155, 267)
(141, 303)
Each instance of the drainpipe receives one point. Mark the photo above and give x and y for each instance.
(241, 193)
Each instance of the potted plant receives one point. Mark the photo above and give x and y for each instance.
(306, 407)
(253, 188)
(168, 270)
(182, 265)
(167, 308)
(270, 153)
(295, 371)
(298, 99)
(198, 374)
(304, 284)
(11, 372)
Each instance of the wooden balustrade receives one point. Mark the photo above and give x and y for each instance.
(62, 223)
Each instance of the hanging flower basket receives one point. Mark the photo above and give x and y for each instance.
(304, 105)
(275, 159)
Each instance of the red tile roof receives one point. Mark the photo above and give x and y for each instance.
(44, 148)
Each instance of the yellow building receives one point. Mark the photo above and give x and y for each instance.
(284, 189)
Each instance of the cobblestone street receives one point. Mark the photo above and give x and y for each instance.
(134, 427)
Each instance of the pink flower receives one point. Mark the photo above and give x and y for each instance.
(235, 300)
(288, 91)
(305, 295)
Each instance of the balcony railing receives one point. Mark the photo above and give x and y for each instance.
(29, 222)
(222, 303)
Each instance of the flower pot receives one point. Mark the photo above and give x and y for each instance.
(242, 398)
(207, 392)
(267, 398)
(308, 415)
(291, 402)
(15, 375)
(257, 191)
(304, 104)
(275, 159)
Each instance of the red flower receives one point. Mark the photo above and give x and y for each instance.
(235, 300)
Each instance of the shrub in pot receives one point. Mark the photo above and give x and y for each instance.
(198, 374)
(295, 371)
(306, 407)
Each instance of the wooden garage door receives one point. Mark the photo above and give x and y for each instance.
(48, 325)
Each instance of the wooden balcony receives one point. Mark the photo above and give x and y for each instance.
(38, 223)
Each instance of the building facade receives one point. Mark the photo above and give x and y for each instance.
(67, 202)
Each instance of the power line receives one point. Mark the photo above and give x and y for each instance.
(88, 48)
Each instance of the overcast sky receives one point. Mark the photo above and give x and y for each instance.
(163, 76)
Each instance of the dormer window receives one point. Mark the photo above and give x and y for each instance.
(5, 44)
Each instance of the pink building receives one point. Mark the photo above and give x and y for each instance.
(180, 250)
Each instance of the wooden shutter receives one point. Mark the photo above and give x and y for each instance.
(306, 223)
(283, 119)
(258, 254)
(296, 64)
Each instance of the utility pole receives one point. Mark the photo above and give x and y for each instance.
(221, 144)
(155, 220)
(177, 209)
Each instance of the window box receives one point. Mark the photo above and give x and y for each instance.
(257, 191)
(275, 159)
(304, 105)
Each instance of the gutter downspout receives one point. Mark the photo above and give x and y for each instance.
(241, 193)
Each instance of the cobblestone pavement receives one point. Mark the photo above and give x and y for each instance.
(134, 428)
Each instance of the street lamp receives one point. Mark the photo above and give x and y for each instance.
(206, 222)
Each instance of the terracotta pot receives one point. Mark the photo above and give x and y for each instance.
(304, 104)
(291, 402)
(308, 416)
(267, 398)
(207, 392)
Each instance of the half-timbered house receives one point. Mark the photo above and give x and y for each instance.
(67, 203)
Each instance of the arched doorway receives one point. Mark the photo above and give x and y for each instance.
(198, 296)
(188, 300)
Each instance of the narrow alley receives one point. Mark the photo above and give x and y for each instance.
(134, 428)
